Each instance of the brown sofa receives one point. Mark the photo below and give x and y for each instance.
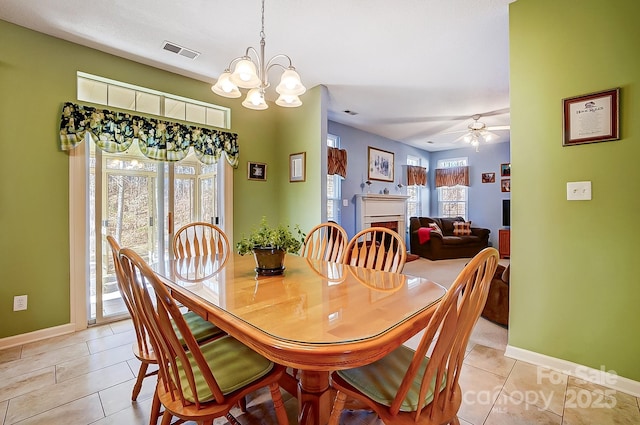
(448, 245)
(496, 308)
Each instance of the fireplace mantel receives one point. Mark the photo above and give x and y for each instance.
(372, 208)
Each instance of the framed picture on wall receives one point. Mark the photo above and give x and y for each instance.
(505, 185)
(297, 167)
(590, 118)
(488, 177)
(505, 170)
(257, 171)
(380, 165)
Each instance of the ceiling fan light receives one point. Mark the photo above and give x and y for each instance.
(290, 83)
(288, 101)
(225, 87)
(245, 74)
(255, 100)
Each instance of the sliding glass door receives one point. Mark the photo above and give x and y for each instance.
(140, 202)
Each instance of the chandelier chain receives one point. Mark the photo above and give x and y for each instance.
(262, 30)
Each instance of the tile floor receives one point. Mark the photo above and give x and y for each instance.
(87, 377)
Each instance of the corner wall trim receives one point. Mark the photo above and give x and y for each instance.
(13, 341)
(597, 376)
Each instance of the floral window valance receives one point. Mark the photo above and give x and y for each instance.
(452, 176)
(337, 161)
(416, 175)
(161, 140)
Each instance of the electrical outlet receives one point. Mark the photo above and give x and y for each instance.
(345, 202)
(19, 302)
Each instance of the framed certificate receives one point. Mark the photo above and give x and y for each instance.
(591, 118)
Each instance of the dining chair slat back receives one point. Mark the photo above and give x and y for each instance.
(142, 347)
(326, 241)
(201, 239)
(377, 248)
(422, 386)
(196, 382)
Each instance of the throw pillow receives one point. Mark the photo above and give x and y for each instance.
(462, 228)
(435, 228)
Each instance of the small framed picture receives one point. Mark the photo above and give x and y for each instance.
(257, 171)
(297, 167)
(380, 165)
(505, 170)
(488, 177)
(590, 118)
(505, 185)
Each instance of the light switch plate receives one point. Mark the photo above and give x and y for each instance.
(579, 191)
(345, 202)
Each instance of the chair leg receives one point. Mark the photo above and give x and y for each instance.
(166, 418)
(142, 373)
(155, 409)
(338, 405)
(278, 404)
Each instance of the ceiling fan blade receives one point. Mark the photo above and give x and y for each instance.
(411, 120)
(499, 127)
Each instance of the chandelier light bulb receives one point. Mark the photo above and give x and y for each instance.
(225, 87)
(245, 74)
(288, 101)
(255, 100)
(290, 83)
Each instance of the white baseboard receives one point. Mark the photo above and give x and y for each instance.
(13, 341)
(597, 376)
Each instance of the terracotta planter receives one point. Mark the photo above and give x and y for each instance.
(269, 261)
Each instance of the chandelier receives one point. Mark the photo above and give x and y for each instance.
(252, 73)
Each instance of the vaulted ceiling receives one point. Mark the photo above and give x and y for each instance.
(414, 71)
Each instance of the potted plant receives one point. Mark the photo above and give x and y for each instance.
(269, 246)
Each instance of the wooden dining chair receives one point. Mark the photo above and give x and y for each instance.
(377, 248)
(326, 241)
(406, 386)
(142, 348)
(196, 382)
(199, 239)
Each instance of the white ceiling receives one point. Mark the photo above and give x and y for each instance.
(411, 69)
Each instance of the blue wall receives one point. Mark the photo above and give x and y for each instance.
(356, 142)
(485, 199)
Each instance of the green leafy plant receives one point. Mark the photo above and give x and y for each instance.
(266, 236)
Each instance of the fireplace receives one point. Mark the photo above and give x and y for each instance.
(393, 225)
(383, 211)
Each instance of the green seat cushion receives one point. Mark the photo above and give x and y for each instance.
(233, 364)
(381, 380)
(200, 328)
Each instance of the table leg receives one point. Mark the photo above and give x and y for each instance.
(314, 398)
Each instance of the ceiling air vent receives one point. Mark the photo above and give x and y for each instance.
(183, 51)
(350, 112)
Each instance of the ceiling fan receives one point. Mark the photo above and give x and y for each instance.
(478, 132)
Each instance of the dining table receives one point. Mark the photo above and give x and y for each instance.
(315, 317)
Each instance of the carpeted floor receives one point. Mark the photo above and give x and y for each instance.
(445, 272)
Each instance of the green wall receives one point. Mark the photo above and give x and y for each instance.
(38, 74)
(575, 294)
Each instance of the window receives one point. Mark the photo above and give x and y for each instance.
(414, 203)
(452, 201)
(334, 186)
(103, 91)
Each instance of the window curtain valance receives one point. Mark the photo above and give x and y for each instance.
(452, 176)
(160, 140)
(416, 175)
(337, 162)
